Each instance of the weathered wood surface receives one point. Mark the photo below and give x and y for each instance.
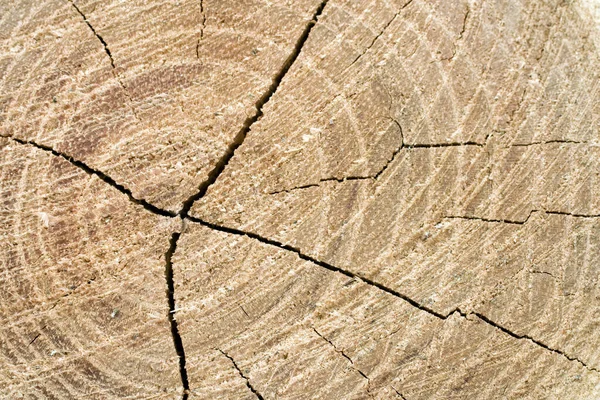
(274, 200)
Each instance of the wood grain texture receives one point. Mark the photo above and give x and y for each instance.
(83, 293)
(337, 337)
(299, 199)
(151, 93)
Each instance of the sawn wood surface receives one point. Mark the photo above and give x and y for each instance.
(254, 199)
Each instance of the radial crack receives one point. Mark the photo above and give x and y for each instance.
(574, 215)
(333, 345)
(177, 341)
(248, 384)
(341, 352)
(322, 264)
(532, 340)
(264, 99)
(109, 54)
(202, 26)
(382, 287)
(91, 171)
(100, 38)
(385, 27)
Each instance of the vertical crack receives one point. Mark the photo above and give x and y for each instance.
(109, 54)
(171, 299)
(248, 384)
(202, 26)
(264, 99)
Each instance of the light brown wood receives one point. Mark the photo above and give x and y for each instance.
(295, 200)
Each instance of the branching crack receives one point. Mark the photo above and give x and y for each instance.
(384, 168)
(382, 287)
(219, 168)
(177, 341)
(213, 175)
(264, 99)
(91, 171)
(409, 146)
(248, 384)
(355, 276)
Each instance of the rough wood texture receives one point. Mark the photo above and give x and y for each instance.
(287, 200)
(82, 301)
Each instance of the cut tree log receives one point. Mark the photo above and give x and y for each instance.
(312, 199)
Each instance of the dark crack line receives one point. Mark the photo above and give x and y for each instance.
(248, 384)
(395, 153)
(535, 271)
(438, 145)
(503, 221)
(523, 222)
(389, 162)
(382, 287)
(464, 24)
(91, 171)
(567, 141)
(537, 342)
(202, 27)
(408, 146)
(35, 338)
(398, 393)
(333, 345)
(354, 276)
(460, 35)
(177, 341)
(109, 54)
(100, 38)
(310, 185)
(574, 215)
(238, 140)
(341, 352)
(385, 27)
(322, 264)
(264, 99)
